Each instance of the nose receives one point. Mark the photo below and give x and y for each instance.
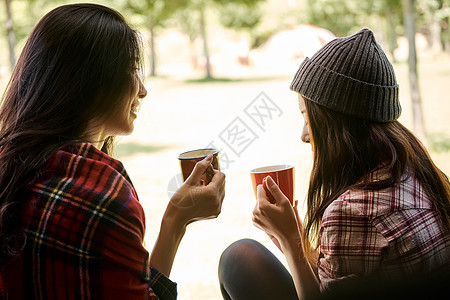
(142, 90)
(305, 134)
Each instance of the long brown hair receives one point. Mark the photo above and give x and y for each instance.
(77, 65)
(348, 149)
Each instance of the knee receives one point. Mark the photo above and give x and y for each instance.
(248, 270)
(239, 250)
(239, 254)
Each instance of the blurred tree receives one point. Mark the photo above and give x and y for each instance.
(186, 20)
(392, 11)
(427, 22)
(153, 14)
(435, 14)
(242, 15)
(338, 16)
(192, 21)
(444, 15)
(10, 34)
(409, 13)
(201, 10)
(343, 18)
(25, 14)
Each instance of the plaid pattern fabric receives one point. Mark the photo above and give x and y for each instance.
(394, 232)
(85, 229)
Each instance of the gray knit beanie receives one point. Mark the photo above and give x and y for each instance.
(351, 75)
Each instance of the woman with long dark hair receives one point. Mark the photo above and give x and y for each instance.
(71, 226)
(378, 209)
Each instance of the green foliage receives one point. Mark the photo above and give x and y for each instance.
(124, 150)
(26, 13)
(239, 16)
(342, 17)
(259, 38)
(227, 80)
(334, 15)
(248, 3)
(440, 142)
(153, 13)
(439, 9)
(186, 20)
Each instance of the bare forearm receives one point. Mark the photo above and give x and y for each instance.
(166, 246)
(305, 279)
(192, 202)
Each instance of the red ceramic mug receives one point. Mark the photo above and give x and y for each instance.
(188, 160)
(283, 175)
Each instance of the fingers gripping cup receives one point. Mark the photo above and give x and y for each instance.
(190, 158)
(283, 175)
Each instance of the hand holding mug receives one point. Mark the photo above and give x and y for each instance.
(278, 219)
(188, 160)
(283, 175)
(195, 200)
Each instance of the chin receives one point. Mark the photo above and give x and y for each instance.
(125, 130)
(129, 131)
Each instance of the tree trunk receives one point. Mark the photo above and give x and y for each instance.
(445, 33)
(443, 25)
(435, 28)
(152, 50)
(418, 121)
(392, 36)
(205, 43)
(192, 52)
(11, 35)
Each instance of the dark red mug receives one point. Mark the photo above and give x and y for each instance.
(283, 175)
(188, 160)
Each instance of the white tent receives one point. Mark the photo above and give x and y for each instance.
(284, 50)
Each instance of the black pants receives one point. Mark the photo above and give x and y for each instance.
(248, 270)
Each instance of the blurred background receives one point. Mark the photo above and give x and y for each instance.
(218, 74)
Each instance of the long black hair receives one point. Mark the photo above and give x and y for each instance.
(77, 65)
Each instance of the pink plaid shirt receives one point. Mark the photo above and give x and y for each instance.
(394, 232)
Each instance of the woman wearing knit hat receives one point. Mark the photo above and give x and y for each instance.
(377, 206)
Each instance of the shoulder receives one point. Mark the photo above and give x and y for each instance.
(83, 159)
(89, 169)
(83, 173)
(83, 186)
(408, 195)
(398, 213)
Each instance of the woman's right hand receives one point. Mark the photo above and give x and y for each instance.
(195, 200)
(279, 219)
(299, 223)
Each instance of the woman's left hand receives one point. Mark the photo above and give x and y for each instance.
(278, 219)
